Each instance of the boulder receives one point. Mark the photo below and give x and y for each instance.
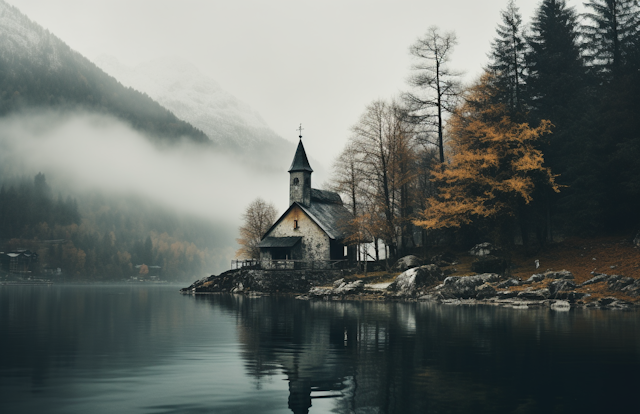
(506, 294)
(619, 305)
(489, 264)
(509, 283)
(539, 277)
(617, 282)
(571, 296)
(482, 249)
(339, 289)
(539, 294)
(560, 285)
(464, 287)
(407, 262)
(254, 280)
(430, 297)
(561, 274)
(599, 277)
(434, 274)
(485, 291)
(350, 288)
(316, 292)
(534, 278)
(613, 303)
(632, 289)
(560, 305)
(409, 282)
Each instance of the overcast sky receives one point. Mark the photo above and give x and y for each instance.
(318, 63)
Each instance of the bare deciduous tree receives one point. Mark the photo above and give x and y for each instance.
(374, 172)
(436, 86)
(258, 218)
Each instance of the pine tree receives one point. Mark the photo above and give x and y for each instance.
(612, 36)
(508, 60)
(555, 65)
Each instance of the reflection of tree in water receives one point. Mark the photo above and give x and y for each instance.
(403, 357)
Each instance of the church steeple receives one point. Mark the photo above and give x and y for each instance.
(300, 161)
(300, 177)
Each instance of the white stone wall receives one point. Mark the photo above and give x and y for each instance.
(315, 242)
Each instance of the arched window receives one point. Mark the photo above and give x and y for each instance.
(296, 181)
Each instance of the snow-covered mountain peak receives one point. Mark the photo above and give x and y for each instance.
(191, 95)
(18, 35)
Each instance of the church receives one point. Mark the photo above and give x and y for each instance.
(311, 232)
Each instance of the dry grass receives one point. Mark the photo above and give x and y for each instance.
(613, 255)
(376, 277)
(610, 255)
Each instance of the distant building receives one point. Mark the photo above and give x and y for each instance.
(18, 261)
(311, 230)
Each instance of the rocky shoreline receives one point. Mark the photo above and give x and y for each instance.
(553, 289)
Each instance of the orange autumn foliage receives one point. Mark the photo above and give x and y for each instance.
(494, 164)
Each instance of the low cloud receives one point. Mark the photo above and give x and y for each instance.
(87, 152)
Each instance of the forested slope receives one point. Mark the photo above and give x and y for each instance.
(39, 70)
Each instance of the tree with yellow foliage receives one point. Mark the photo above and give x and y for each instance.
(258, 218)
(494, 166)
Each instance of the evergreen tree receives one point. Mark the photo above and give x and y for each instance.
(556, 71)
(508, 60)
(612, 35)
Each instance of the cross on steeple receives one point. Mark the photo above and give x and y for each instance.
(300, 129)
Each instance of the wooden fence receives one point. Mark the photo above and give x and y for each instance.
(291, 264)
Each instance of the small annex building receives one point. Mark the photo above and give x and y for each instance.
(312, 230)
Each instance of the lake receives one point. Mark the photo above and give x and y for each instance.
(149, 349)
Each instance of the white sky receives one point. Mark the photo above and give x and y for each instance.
(315, 62)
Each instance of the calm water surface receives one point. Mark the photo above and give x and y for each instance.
(148, 349)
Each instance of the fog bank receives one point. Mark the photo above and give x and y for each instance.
(81, 151)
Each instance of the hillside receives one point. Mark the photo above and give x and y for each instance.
(102, 237)
(39, 70)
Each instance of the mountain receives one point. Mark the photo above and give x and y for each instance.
(39, 70)
(191, 95)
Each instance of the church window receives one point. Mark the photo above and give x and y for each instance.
(295, 224)
(296, 181)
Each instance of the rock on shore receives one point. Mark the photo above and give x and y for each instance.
(554, 289)
(264, 281)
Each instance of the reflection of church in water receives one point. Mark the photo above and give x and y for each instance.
(315, 353)
(308, 357)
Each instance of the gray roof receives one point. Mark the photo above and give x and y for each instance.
(322, 196)
(279, 241)
(333, 218)
(326, 210)
(300, 161)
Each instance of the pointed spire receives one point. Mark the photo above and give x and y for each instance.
(300, 161)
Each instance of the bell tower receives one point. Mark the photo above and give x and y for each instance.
(300, 177)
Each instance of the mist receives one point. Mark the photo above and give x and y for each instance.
(82, 151)
(86, 153)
